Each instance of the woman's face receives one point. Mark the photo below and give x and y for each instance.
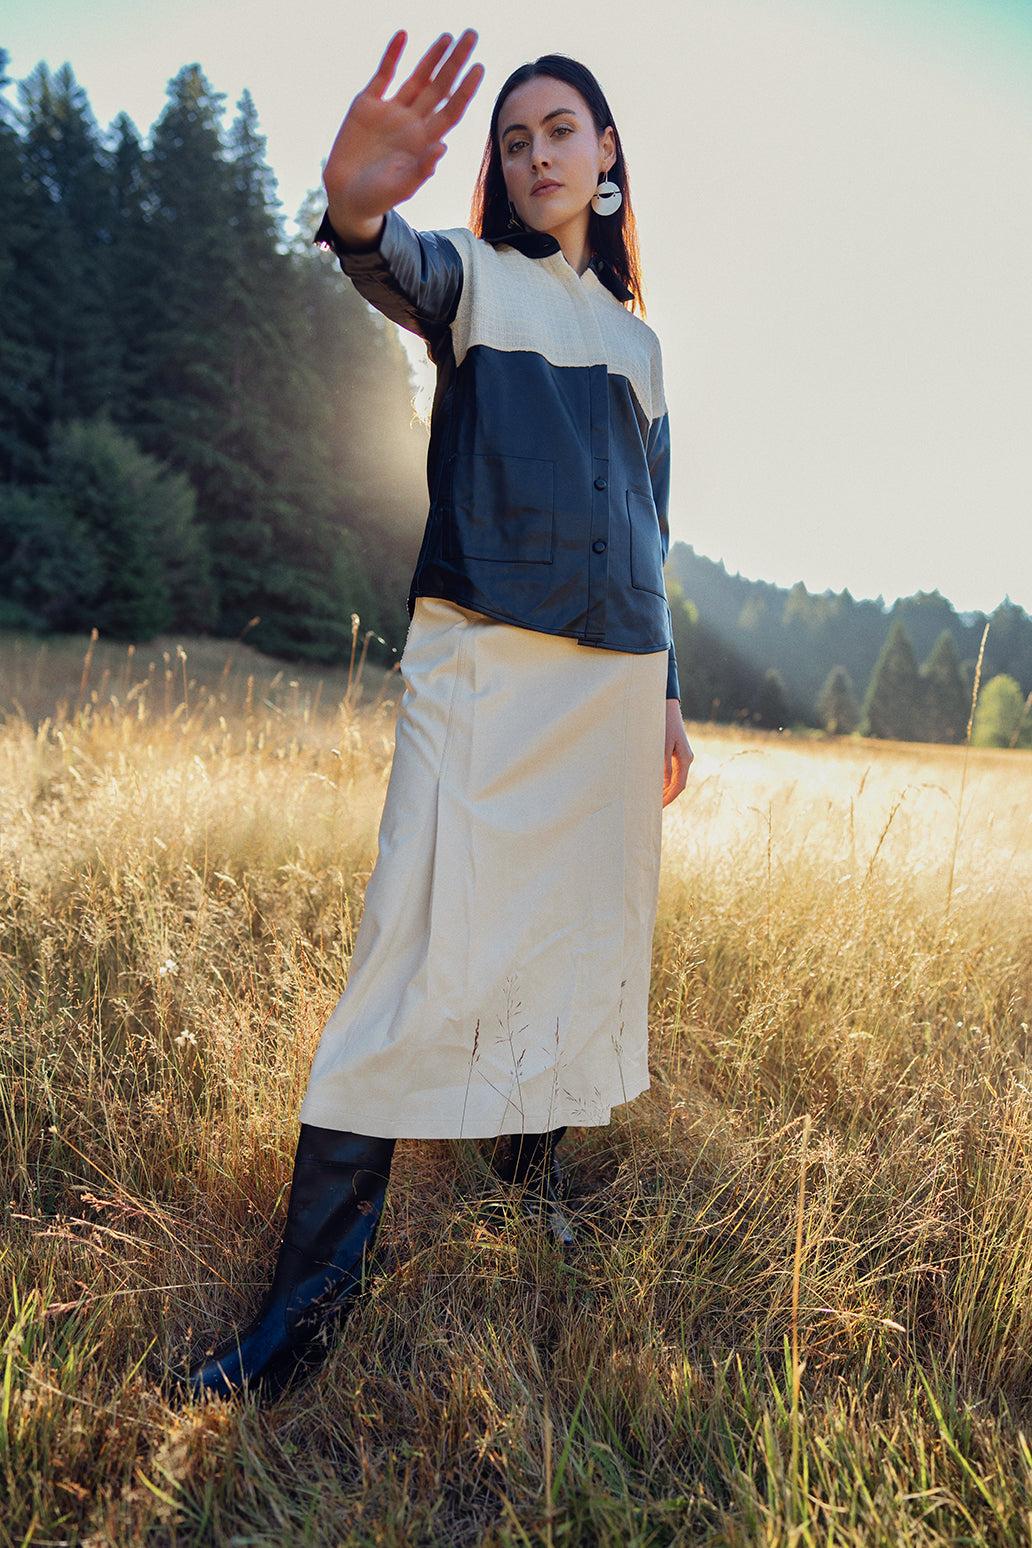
(551, 158)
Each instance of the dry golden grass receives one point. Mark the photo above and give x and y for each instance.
(800, 1310)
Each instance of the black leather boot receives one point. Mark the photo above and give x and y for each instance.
(336, 1200)
(528, 1161)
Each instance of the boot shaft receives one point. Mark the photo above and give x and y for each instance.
(523, 1158)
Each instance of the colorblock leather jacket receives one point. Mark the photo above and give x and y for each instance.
(549, 442)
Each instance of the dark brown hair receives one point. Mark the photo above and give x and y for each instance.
(613, 238)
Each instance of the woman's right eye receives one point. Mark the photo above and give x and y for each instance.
(514, 146)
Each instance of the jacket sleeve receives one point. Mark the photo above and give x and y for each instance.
(658, 452)
(412, 277)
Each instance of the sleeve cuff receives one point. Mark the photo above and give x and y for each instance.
(673, 687)
(326, 238)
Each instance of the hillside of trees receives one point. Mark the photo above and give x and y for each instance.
(200, 421)
(770, 656)
(202, 424)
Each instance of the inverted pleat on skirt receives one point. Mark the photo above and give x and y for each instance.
(500, 975)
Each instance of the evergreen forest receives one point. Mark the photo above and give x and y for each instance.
(203, 429)
(200, 422)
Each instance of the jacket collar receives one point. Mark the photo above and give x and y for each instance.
(610, 279)
(538, 244)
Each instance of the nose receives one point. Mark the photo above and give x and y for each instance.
(541, 157)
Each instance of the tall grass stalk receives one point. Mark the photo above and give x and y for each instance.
(964, 766)
(798, 1492)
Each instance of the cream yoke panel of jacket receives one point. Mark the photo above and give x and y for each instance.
(505, 306)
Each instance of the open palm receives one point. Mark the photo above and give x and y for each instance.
(387, 148)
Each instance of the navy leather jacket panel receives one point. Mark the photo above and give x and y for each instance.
(549, 450)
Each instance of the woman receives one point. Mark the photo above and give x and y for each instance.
(499, 982)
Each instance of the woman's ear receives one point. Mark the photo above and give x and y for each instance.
(608, 145)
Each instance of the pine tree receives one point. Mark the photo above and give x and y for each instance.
(837, 708)
(201, 406)
(50, 572)
(927, 615)
(892, 707)
(22, 362)
(772, 701)
(944, 699)
(138, 519)
(1009, 646)
(130, 263)
(186, 390)
(255, 221)
(65, 278)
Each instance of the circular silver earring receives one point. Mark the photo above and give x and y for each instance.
(607, 198)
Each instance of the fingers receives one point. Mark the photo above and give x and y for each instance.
(449, 115)
(670, 791)
(425, 89)
(676, 779)
(677, 754)
(431, 82)
(455, 62)
(387, 66)
(683, 759)
(410, 90)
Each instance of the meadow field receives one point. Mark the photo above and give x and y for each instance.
(800, 1307)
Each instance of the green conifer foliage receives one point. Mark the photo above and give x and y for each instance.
(772, 709)
(64, 276)
(837, 708)
(945, 701)
(1009, 646)
(138, 519)
(23, 365)
(107, 540)
(892, 707)
(129, 263)
(50, 572)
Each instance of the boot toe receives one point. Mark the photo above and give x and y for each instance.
(261, 1359)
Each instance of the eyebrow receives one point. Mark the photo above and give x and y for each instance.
(555, 113)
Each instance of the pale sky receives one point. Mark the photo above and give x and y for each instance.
(835, 203)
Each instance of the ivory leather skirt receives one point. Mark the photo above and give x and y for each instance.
(500, 975)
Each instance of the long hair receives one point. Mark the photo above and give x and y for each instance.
(613, 238)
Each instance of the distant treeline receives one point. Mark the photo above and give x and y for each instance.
(199, 420)
(759, 653)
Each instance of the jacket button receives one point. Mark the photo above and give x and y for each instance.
(600, 483)
(598, 546)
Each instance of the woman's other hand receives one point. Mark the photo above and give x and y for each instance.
(678, 757)
(387, 148)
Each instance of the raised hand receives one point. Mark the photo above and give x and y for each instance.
(387, 148)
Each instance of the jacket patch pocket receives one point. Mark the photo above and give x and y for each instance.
(504, 508)
(646, 549)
